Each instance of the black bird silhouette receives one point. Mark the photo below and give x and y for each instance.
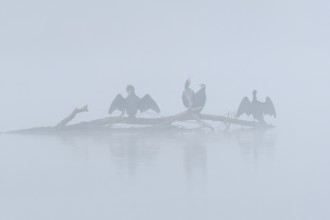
(132, 104)
(188, 95)
(255, 108)
(192, 100)
(199, 100)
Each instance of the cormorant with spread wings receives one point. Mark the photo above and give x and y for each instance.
(132, 103)
(192, 100)
(256, 108)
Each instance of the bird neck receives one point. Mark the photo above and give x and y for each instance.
(254, 98)
(132, 93)
(187, 84)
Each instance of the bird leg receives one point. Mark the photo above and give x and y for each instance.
(197, 118)
(173, 119)
(115, 121)
(196, 109)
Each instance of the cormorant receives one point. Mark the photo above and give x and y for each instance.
(200, 98)
(192, 100)
(188, 95)
(132, 103)
(256, 108)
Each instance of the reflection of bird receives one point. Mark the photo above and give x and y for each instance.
(132, 104)
(194, 100)
(255, 108)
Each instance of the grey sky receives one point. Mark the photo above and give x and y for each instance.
(56, 55)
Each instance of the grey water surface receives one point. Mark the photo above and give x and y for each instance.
(245, 174)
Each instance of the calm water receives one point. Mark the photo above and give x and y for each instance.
(239, 175)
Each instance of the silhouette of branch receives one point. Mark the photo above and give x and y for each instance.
(107, 122)
(76, 111)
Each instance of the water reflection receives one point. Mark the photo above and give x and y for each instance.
(195, 160)
(134, 154)
(255, 139)
(132, 151)
(255, 143)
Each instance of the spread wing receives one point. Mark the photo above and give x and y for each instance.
(244, 108)
(200, 98)
(147, 103)
(187, 98)
(269, 108)
(119, 103)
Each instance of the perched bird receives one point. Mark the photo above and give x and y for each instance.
(194, 100)
(256, 108)
(199, 100)
(188, 95)
(132, 103)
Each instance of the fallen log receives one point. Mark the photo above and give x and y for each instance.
(168, 119)
(108, 122)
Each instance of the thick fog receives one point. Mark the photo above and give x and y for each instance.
(58, 55)
(63, 54)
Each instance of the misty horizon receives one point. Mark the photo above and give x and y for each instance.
(56, 56)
